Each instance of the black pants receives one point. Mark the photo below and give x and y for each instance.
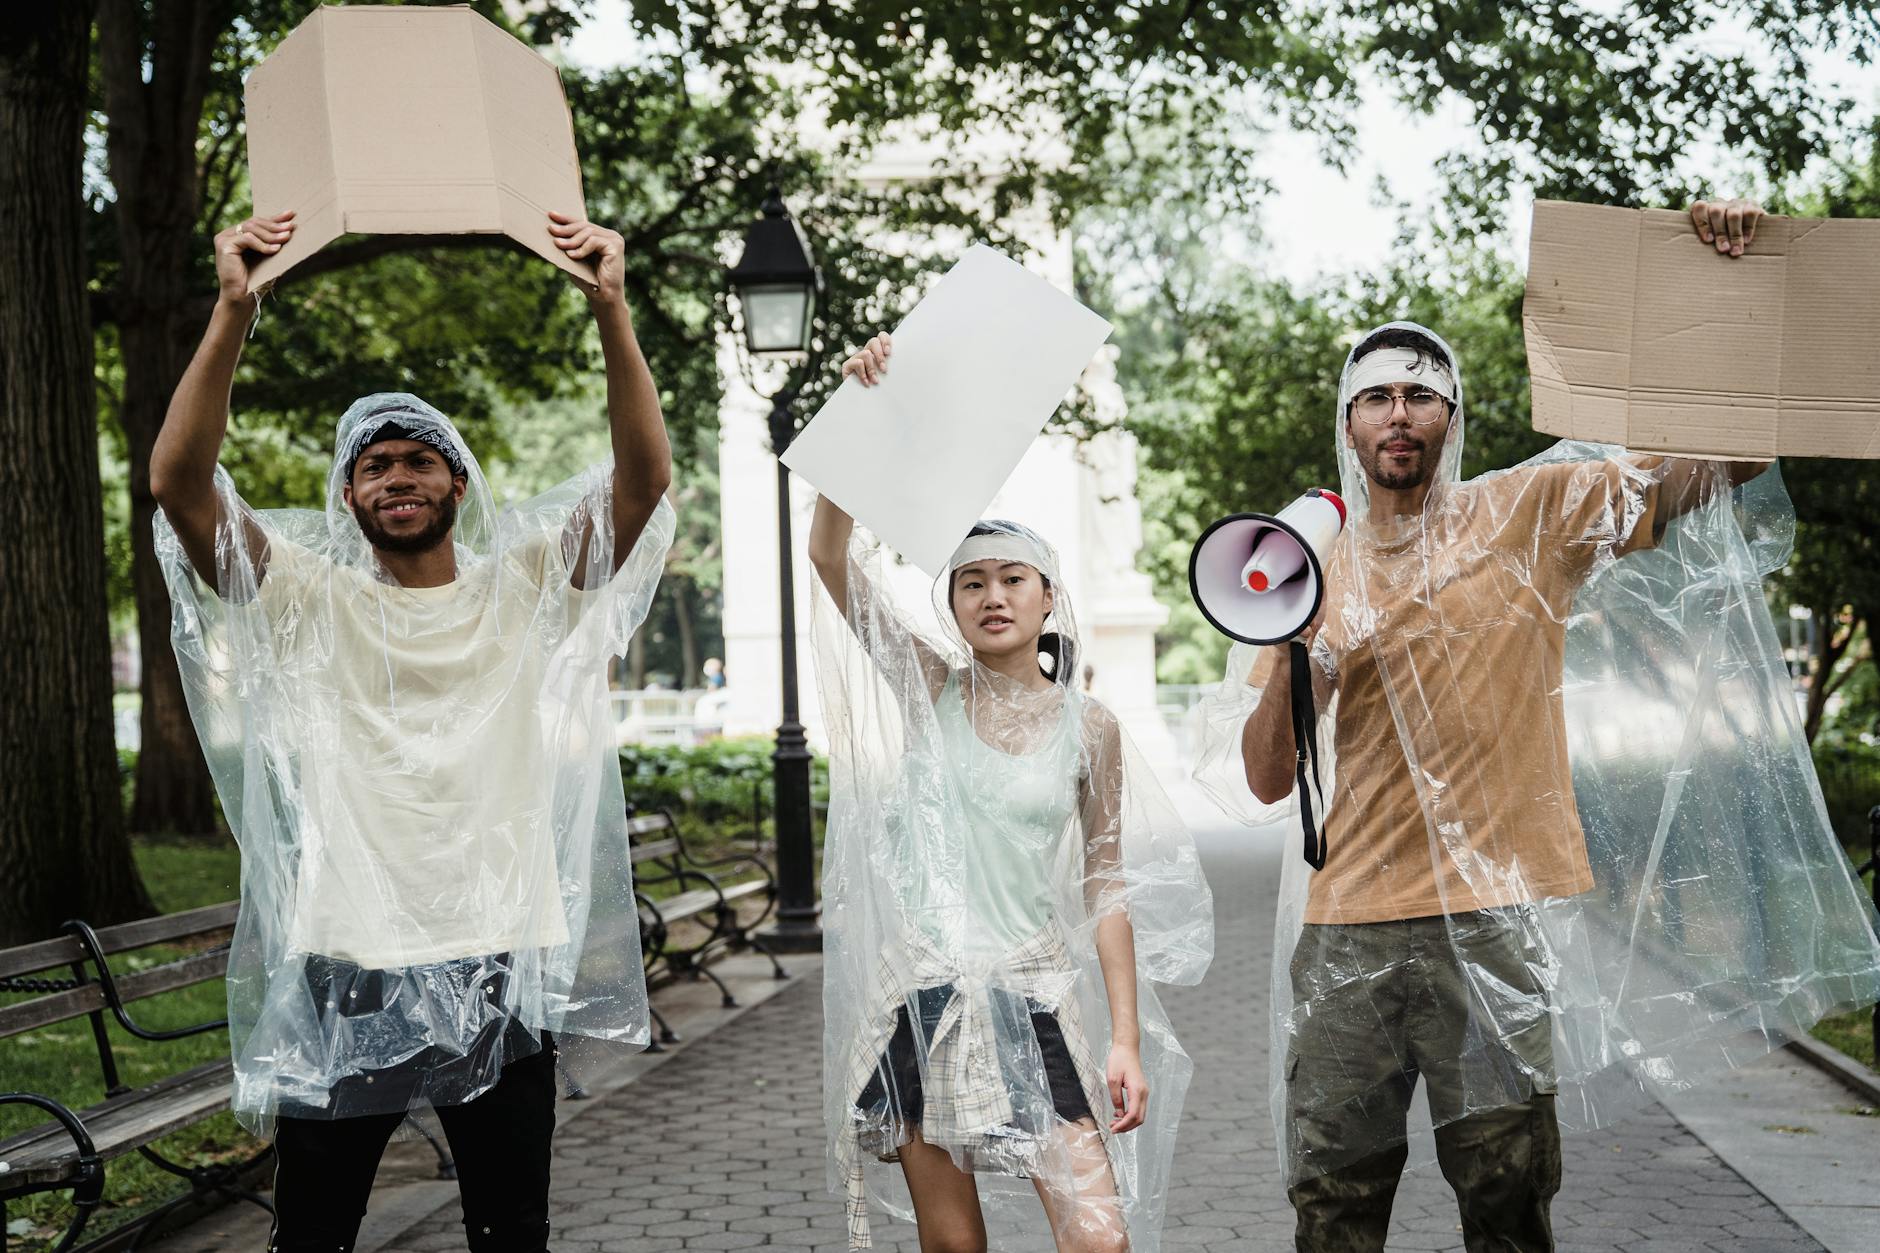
(500, 1140)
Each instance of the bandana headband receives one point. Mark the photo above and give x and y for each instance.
(1000, 546)
(1401, 365)
(391, 428)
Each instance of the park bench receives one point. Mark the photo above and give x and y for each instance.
(660, 857)
(71, 1151)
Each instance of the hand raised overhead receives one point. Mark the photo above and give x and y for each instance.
(241, 246)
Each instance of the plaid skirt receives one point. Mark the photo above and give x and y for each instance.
(968, 1102)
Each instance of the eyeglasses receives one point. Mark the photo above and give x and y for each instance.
(1375, 405)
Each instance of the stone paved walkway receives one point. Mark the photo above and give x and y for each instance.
(722, 1147)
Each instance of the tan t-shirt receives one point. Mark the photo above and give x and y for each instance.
(420, 758)
(1453, 790)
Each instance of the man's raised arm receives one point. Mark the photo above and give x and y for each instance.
(182, 463)
(642, 453)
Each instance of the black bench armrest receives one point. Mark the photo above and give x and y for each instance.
(177, 974)
(87, 1182)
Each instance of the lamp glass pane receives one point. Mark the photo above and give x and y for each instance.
(776, 319)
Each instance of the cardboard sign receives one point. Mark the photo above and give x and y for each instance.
(1639, 333)
(409, 121)
(978, 367)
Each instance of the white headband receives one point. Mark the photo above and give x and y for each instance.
(1401, 365)
(1001, 546)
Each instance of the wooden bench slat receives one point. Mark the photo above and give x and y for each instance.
(645, 824)
(46, 1010)
(702, 900)
(160, 930)
(119, 1125)
(63, 950)
(44, 955)
(199, 968)
(738, 891)
(655, 850)
(687, 905)
(60, 1007)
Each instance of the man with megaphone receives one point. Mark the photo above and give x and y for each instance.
(1573, 856)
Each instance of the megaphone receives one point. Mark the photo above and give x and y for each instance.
(1259, 578)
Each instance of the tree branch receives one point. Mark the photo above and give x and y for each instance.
(1834, 681)
(657, 229)
(219, 168)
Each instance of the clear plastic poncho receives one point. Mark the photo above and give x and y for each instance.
(424, 783)
(1575, 841)
(1000, 864)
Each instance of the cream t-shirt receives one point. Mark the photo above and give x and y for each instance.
(420, 776)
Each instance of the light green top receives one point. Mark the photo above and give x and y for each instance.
(994, 832)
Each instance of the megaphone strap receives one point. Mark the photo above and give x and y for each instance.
(1305, 721)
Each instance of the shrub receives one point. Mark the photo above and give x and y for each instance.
(714, 781)
(1850, 783)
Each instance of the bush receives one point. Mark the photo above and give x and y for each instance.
(715, 781)
(1850, 783)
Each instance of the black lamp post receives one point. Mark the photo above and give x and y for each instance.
(776, 283)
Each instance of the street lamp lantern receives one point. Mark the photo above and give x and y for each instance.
(776, 283)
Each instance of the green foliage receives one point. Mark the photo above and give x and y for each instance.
(1850, 784)
(1157, 103)
(718, 781)
(1858, 718)
(1593, 101)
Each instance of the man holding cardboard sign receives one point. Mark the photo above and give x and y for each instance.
(403, 702)
(1575, 854)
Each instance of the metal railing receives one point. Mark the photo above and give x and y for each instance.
(659, 716)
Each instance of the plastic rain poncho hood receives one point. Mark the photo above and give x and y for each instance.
(1566, 776)
(423, 781)
(983, 830)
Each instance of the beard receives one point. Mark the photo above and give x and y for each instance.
(443, 519)
(1413, 475)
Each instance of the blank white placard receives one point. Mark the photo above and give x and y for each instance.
(978, 368)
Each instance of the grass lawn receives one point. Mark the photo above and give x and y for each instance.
(1850, 1033)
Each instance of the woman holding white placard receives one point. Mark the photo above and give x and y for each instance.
(1003, 878)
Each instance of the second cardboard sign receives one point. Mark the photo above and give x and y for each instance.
(1641, 334)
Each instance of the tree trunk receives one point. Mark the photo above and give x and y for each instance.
(153, 123)
(63, 852)
(689, 671)
(1827, 655)
(173, 791)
